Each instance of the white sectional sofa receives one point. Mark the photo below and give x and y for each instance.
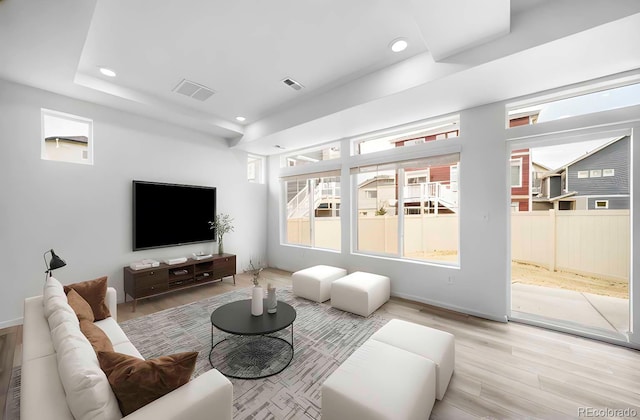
(43, 395)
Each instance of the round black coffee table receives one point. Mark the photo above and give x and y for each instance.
(254, 354)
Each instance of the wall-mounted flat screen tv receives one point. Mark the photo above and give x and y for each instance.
(171, 214)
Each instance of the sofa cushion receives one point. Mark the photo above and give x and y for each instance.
(80, 306)
(61, 315)
(94, 292)
(87, 389)
(137, 382)
(98, 339)
(113, 330)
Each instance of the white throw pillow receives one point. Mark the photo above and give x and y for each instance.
(87, 388)
(53, 296)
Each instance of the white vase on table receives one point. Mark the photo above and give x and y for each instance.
(256, 301)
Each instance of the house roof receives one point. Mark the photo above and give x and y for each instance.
(586, 155)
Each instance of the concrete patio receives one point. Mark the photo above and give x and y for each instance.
(588, 309)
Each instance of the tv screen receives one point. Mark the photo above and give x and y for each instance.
(171, 214)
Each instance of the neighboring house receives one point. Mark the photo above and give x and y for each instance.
(599, 179)
(520, 179)
(538, 173)
(377, 192)
(67, 148)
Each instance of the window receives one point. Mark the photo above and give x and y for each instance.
(608, 172)
(516, 172)
(310, 156)
(406, 219)
(603, 99)
(371, 194)
(441, 129)
(595, 173)
(313, 210)
(255, 169)
(66, 137)
(602, 204)
(583, 174)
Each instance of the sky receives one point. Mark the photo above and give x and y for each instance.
(554, 157)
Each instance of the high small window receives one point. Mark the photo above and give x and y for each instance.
(255, 169)
(309, 156)
(603, 99)
(441, 129)
(602, 204)
(66, 137)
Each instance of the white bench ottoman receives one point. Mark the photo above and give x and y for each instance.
(436, 345)
(382, 382)
(314, 283)
(360, 293)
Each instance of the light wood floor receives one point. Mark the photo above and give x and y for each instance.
(502, 370)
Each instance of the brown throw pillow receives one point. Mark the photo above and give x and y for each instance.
(80, 306)
(137, 382)
(94, 292)
(98, 339)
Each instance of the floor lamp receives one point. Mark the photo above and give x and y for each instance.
(54, 263)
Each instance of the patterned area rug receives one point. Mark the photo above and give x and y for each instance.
(323, 338)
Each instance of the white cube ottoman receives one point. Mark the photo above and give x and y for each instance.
(314, 283)
(360, 293)
(380, 382)
(436, 345)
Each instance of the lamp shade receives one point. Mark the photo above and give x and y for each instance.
(54, 263)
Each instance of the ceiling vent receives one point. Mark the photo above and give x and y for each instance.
(292, 84)
(193, 90)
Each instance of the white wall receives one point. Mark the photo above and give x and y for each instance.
(84, 212)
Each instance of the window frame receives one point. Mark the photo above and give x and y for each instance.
(284, 217)
(260, 172)
(44, 112)
(520, 176)
(397, 159)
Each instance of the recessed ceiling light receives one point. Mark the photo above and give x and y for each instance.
(107, 72)
(398, 44)
(241, 119)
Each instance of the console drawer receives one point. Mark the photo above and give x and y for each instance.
(151, 290)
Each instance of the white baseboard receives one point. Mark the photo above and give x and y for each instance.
(11, 323)
(451, 307)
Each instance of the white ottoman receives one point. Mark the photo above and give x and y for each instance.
(360, 293)
(314, 283)
(380, 382)
(436, 345)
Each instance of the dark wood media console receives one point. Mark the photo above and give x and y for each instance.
(140, 284)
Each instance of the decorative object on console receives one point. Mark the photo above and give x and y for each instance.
(146, 263)
(272, 301)
(54, 263)
(221, 224)
(200, 256)
(173, 261)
